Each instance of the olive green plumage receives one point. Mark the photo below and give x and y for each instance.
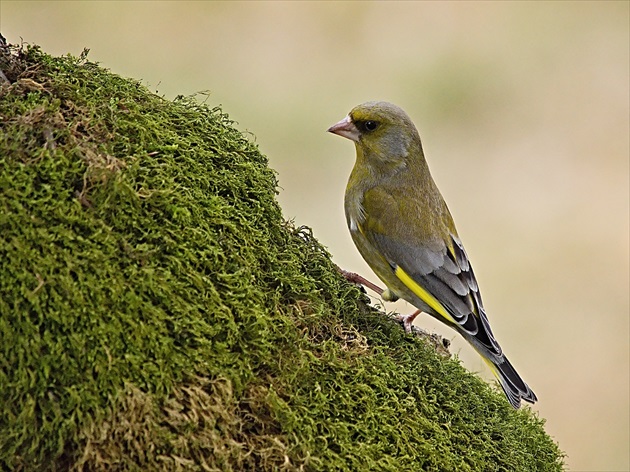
(405, 232)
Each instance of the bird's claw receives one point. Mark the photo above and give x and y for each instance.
(407, 320)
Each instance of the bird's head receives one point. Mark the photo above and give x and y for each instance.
(382, 132)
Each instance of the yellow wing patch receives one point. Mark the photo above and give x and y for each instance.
(423, 295)
(451, 250)
(490, 364)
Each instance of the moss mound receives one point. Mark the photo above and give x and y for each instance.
(157, 312)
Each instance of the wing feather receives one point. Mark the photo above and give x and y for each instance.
(436, 270)
(446, 274)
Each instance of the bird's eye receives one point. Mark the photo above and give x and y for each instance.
(370, 125)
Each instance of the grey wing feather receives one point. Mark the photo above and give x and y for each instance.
(448, 276)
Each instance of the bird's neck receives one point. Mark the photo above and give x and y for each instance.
(374, 169)
(394, 175)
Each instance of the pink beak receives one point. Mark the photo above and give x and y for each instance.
(346, 129)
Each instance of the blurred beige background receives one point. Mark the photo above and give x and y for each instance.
(524, 113)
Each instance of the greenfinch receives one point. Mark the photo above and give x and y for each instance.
(403, 229)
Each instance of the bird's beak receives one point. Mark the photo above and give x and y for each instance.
(346, 129)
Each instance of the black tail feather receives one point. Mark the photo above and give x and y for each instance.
(513, 385)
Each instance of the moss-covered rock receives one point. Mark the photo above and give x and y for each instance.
(157, 312)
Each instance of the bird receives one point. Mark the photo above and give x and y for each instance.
(404, 230)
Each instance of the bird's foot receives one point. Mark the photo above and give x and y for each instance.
(407, 320)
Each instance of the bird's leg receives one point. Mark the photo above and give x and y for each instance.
(357, 279)
(387, 295)
(407, 320)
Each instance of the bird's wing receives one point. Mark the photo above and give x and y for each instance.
(438, 272)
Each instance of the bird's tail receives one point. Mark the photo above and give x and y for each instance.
(512, 384)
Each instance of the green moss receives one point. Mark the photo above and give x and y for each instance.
(157, 312)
